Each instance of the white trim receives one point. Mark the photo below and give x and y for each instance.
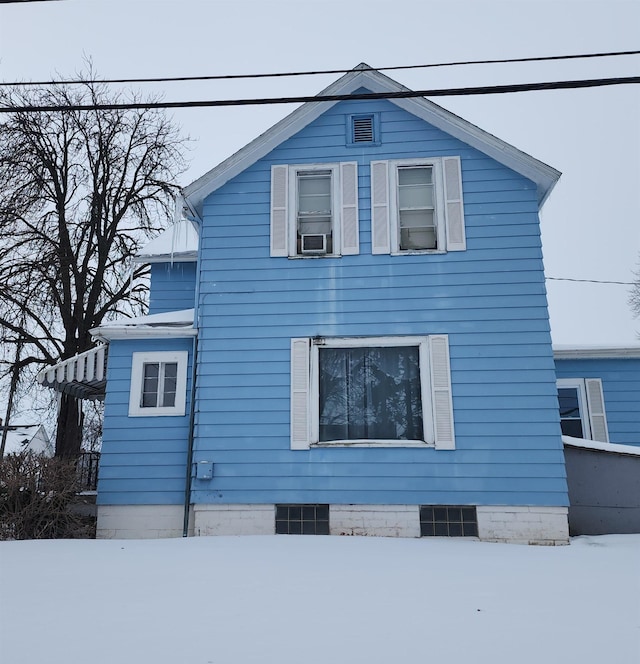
(429, 399)
(595, 352)
(578, 384)
(108, 334)
(597, 446)
(439, 208)
(544, 176)
(138, 360)
(336, 196)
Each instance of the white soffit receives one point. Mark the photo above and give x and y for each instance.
(543, 175)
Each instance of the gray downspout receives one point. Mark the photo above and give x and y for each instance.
(194, 217)
(192, 419)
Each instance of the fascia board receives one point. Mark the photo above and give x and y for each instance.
(537, 171)
(543, 175)
(595, 352)
(167, 258)
(111, 333)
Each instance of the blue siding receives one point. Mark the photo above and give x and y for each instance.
(621, 387)
(490, 300)
(173, 287)
(143, 458)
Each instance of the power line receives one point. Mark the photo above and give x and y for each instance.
(403, 94)
(221, 77)
(592, 281)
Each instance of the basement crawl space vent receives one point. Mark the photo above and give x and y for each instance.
(448, 521)
(362, 129)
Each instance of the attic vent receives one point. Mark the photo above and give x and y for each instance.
(363, 130)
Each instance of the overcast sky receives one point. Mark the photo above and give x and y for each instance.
(591, 222)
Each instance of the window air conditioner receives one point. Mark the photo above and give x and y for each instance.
(314, 243)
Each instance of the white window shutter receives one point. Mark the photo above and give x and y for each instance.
(380, 243)
(349, 205)
(597, 416)
(454, 209)
(299, 394)
(441, 392)
(279, 199)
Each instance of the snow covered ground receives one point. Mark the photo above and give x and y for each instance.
(329, 600)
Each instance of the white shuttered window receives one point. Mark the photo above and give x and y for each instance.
(582, 411)
(314, 210)
(371, 391)
(417, 206)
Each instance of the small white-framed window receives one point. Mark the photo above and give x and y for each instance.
(314, 210)
(158, 383)
(371, 391)
(417, 206)
(582, 411)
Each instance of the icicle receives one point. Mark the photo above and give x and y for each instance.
(177, 219)
(131, 271)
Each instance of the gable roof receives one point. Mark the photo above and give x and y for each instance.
(363, 76)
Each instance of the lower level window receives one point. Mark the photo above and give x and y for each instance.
(448, 521)
(302, 519)
(158, 383)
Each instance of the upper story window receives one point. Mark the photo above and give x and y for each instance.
(582, 412)
(314, 216)
(314, 210)
(371, 391)
(417, 206)
(158, 383)
(417, 227)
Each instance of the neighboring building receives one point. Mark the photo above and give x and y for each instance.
(359, 294)
(599, 396)
(26, 438)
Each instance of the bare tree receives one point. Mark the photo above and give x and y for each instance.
(80, 193)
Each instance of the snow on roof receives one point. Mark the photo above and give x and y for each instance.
(26, 437)
(168, 318)
(168, 324)
(564, 352)
(602, 447)
(179, 242)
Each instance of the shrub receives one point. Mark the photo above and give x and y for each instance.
(37, 496)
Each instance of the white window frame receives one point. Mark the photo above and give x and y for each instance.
(334, 169)
(344, 203)
(449, 206)
(435, 383)
(138, 361)
(394, 205)
(591, 404)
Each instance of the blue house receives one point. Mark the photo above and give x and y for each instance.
(348, 334)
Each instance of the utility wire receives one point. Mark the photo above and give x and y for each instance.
(592, 281)
(222, 77)
(403, 94)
